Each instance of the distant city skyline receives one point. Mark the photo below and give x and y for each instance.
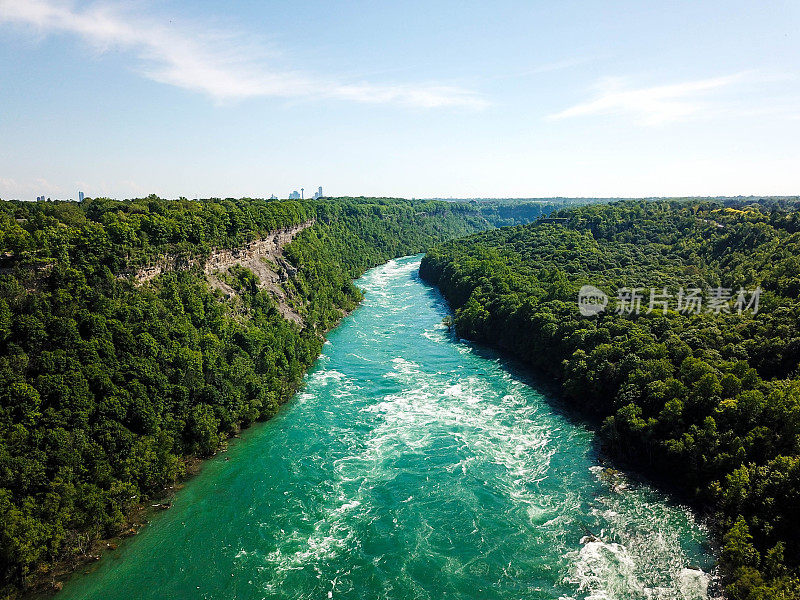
(507, 99)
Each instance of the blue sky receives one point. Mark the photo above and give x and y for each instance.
(423, 99)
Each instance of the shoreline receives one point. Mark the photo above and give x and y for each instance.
(611, 462)
(47, 583)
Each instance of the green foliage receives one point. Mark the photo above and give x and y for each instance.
(108, 385)
(709, 402)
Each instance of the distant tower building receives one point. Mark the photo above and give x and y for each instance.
(302, 193)
(80, 196)
(318, 194)
(295, 195)
(273, 197)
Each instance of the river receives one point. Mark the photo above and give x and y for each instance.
(411, 465)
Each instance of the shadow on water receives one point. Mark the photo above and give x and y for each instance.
(550, 391)
(543, 384)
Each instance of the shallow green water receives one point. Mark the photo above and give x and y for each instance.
(411, 466)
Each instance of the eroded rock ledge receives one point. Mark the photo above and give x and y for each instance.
(264, 257)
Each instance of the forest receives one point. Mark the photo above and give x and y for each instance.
(108, 386)
(704, 398)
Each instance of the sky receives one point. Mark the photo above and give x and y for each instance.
(457, 99)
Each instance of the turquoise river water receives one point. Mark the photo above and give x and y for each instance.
(411, 465)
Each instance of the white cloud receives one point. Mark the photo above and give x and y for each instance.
(11, 188)
(653, 105)
(219, 64)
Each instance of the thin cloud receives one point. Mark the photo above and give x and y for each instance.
(218, 64)
(653, 105)
(11, 188)
(551, 67)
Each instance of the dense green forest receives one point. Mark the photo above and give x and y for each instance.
(504, 212)
(707, 400)
(108, 384)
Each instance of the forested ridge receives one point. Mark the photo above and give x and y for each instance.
(108, 385)
(707, 400)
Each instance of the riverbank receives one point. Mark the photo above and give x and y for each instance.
(49, 581)
(704, 399)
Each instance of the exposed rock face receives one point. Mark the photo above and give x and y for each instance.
(264, 257)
